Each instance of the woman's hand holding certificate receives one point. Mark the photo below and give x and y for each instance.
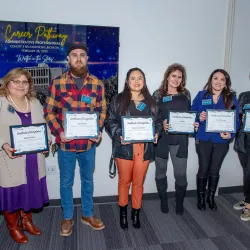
(138, 129)
(203, 116)
(181, 122)
(225, 135)
(221, 121)
(26, 139)
(9, 151)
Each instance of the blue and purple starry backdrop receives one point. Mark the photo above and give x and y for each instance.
(27, 45)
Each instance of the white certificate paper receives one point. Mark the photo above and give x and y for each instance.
(221, 121)
(81, 125)
(247, 122)
(138, 129)
(27, 139)
(181, 122)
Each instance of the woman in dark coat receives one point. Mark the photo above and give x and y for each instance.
(132, 159)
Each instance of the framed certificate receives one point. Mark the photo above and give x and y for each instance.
(81, 125)
(181, 122)
(138, 129)
(246, 125)
(29, 139)
(220, 121)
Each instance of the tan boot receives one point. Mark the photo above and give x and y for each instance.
(66, 227)
(27, 224)
(12, 224)
(93, 222)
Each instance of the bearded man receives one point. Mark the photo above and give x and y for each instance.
(75, 90)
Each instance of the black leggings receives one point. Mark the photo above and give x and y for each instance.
(211, 156)
(245, 163)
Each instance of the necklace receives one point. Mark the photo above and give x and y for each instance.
(27, 105)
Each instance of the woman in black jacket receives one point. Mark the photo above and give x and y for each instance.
(172, 95)
(242, 141)
(132, 159)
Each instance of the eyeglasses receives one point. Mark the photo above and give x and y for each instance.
(18, 82)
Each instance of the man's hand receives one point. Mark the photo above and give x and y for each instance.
(63, 138)
(96, 140)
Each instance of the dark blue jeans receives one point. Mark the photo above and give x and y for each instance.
(67, 164)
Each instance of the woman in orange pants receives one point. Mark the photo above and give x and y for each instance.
(132, 159)
(132, 171)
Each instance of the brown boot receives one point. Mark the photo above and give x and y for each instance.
(12, 224)
(93, 222)
(27, 224)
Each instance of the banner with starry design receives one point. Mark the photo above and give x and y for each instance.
(41, 48)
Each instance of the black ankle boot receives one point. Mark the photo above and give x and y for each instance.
(179, 198)
(201, 204)
(135, 218)
(201, 190)
(123, 217)
(162, 186)
(212, 186)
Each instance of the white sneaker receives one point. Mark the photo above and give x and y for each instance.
(240, 205)
(245, 214)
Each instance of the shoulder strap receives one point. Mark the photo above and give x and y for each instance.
(112, 167)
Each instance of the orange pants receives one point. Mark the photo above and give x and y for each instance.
(132, 171)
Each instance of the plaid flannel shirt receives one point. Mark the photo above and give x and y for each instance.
(63, 95)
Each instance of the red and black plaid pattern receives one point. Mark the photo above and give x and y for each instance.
(63, 95)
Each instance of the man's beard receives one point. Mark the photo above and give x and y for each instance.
(78, 72)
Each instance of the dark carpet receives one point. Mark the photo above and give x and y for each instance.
(196, 229)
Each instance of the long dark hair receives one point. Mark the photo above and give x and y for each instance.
(163, 90)
(126, 94)
(227, 91)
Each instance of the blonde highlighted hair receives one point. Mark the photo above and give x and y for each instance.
(14, 74)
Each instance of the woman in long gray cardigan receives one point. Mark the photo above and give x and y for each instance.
(22, 178)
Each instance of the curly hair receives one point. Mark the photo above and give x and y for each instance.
(12, 75)
(163, 90)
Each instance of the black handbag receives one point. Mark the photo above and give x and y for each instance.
(240, 142)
